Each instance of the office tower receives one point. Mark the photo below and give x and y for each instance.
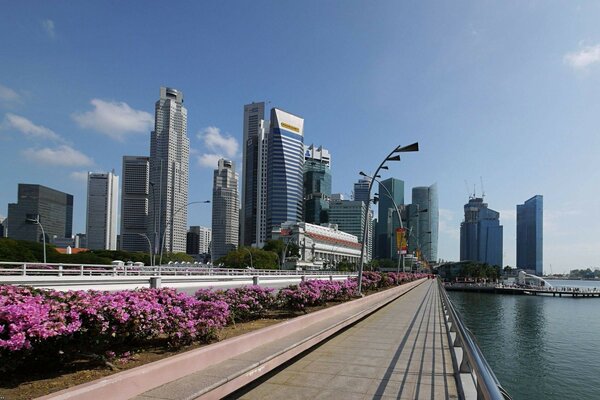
(426, 200)
(225, 210)
(361, 190)
(349, 216)
(135, 185)
(390, 191)
(254, 180)
(481, 234)
(169, 172)
(317, 184)
(285, 165)
(198, 240)
(530, 235)
(102, 202)
(52, 208)
(2, 228)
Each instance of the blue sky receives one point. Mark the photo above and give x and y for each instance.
(503, 90)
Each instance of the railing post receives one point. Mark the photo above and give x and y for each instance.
(60, 270)
(24, 272)
(81, 270)
(114, 271)
(255, 280)
(155, 282)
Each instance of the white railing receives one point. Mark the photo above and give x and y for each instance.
(177, 269)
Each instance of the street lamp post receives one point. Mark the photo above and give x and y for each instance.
(249, 252)
(162, 242)
(390, 157)
(149, 248)
(36, 221)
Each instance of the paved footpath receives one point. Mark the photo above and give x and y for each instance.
(400, 352)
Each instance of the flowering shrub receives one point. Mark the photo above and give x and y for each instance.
(315, 292)
(245, 303)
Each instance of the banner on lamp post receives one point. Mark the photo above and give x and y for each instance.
(401, 240)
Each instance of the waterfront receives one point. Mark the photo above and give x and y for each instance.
(539, 347)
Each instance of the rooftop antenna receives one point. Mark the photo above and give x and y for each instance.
(482, 190)
(468, 191)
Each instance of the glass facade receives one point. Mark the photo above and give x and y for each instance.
(481, 234)
(387, 217)
(426, 200)
(530, 238)
(317, 185)
(285, 169)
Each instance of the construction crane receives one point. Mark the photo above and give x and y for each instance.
(482, 190)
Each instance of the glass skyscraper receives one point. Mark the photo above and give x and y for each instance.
(225, 210)
(135, 189)
(317, 184)
(481, 234)
(530, 235)
(426, 198)
(387, 218)
(285, 161)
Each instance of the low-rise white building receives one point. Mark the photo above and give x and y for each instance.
(321, 246)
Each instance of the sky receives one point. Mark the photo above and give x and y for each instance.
(500, 92)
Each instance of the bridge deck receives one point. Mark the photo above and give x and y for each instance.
(401, 351)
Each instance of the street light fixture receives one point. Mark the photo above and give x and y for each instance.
(249, 252)
(390, 157)
(149, 248)
(36, 221)
(162, 242)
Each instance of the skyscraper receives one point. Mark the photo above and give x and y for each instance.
(317, 184)
(169, 172)
(387, 218)
(284, 172)
(102, 202)
(530, 235)
(135, 190)
(225, 210)
(361, 190)
(198, 240)
(349, 216)
(253, 212)
(52, 208)
(481, 234)
(426, 200)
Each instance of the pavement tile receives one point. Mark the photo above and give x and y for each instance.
(350, 384)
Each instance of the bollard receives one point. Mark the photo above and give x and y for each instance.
(331, 278)
(255, 280)
(60, 270)
(303, 278)
(155, 282)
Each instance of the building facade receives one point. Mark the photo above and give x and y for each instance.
(349, 217)
(361, 190)
(425, 198)
(198, 240)
(225, 210)
(530, 235)
(317, 184)
(169, 173)
(321, 247)
(52, 208)
(253, 211)
(391, 194)
(285, 169)
(135, 189)
(481, 234)
(101, 215)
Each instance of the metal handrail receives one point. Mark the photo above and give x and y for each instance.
(487, 385)
(64, 269)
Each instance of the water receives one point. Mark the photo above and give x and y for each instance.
(539, 347)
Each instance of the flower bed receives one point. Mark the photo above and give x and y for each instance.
(52, 327)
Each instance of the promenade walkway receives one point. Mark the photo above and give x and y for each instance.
(400, 352)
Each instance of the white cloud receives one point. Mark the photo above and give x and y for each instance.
(79, 176)
(8, 95)
(220, 146)
(583, 58)
(30, 129)
(48, 26)
(114, 119)
(448, 225)
(62, 155)
(209, 160)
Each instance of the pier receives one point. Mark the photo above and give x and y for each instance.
(515, 290)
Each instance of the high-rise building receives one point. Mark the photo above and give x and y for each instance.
(361, 190)
(169, 172)
(481, 234)
(52, 208)
(317, 184)
(390, 191)
(2, 228)
(198, 240)
(530, 235)
(426, 200)
(135, 185)
(254, 179)
(284, 172)
(102, 203)
(225, 210)
(349, 216)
